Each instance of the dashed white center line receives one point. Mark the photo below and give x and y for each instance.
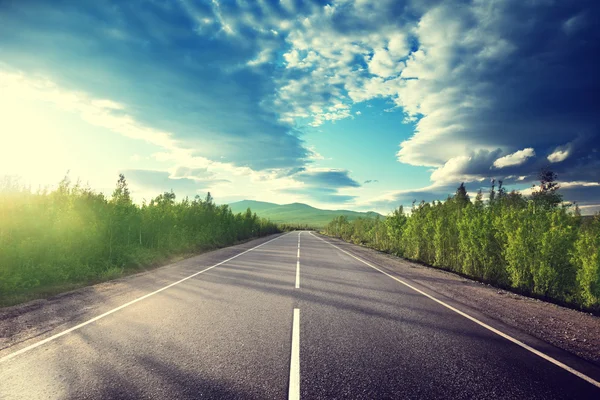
(294, 390)
(298, 265)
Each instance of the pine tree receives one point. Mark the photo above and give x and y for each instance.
(121, 192)
(461, 197)
(547, 196)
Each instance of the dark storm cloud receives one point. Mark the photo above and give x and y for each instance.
(520, 75)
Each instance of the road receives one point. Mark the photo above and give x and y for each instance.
(294, 317)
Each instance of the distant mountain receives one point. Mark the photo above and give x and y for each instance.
(296, 213)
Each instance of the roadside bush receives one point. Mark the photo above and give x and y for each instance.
(586, 259)
(57, 239)
(535, 245)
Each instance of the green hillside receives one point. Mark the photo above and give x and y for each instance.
(296, 213)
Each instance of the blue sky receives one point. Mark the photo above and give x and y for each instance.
(340, 104)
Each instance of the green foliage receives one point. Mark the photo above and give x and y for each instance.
(547, 196)
(394, 225)
(296, 227)
(533, 245)
(587, 258)
(73, 235)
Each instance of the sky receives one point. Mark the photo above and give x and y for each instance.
(363, 105)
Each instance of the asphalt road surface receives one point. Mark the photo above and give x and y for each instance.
(295, 317)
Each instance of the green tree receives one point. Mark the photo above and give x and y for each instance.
(530, 244)
(546, 196)
(586, 258)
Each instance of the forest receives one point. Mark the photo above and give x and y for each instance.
(52, 241)
(536, 245)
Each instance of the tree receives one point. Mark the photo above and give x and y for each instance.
(501, 190)
(208, 199)
(515, 199)
(529, 244)
(50, 240)
(493, 192)
(461, 197)
(395, 224)
(547, 196)
(121, 192)
(586, 258)
(479, 200)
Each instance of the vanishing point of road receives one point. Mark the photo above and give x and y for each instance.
(291, 316)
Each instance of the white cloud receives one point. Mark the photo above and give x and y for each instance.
(314, 155)
(262, 57)
(292, 58)
(454, 171)
(392, 199)
(580, 191)
(559, 155)
(331, 60)
(516, 158)
(329, 10)
(99, 112)
(451, 86)
(527, 191)
(230, 180)
(288, 4)
(572, 184)
(398, 45)
(226, 25)
(383, 64)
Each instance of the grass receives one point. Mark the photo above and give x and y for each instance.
(52, 241)
(111, 273)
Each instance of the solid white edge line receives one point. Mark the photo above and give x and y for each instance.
(294, 389)
(483, 324)
(53, 337)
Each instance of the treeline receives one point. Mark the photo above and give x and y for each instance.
(54, 240)
(287, 227)
(534, 244)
